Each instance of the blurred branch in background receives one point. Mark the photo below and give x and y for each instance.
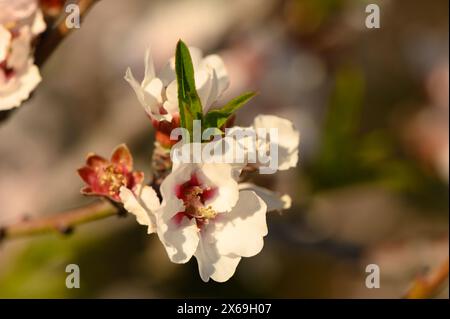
(62, 222)
(429, 286)
(56, 33)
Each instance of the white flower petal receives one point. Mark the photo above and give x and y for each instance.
(178, 233)
(38, 25)
(171, 203)
(129, 77)
(144, 208)
(5, 38)
(213, 92)
(241, 231)
(171, 105)
(203, 84)
(167, 74)
(212, 265)
(150, 198)
(220, 176)
(132, 205)
(216, 63)
(23, 85)
(149, 73)
(179, 236)
(149, 97)
(288, 139)
(273, 201)
(196, 56)
(154, 90)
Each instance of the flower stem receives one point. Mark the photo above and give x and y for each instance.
(63, 222)
(428, 287)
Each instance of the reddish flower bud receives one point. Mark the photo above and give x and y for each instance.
(52, 7)
(163, 130)
(105, 177)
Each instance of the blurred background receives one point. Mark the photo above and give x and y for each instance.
(372, 106)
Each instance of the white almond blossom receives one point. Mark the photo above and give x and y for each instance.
(20, 22)
(273, 201)
(17, 12)
(203, 214)
(204, 211)
(158, 94)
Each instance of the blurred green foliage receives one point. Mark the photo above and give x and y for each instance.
(349, 155)
(39, 267)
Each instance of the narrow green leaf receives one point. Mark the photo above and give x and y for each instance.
(188, 100)
(218, 117)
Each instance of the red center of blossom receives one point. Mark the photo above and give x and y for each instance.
(194, 195)
(113, 177)
(9, 72)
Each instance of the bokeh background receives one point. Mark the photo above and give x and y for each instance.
(371, 187)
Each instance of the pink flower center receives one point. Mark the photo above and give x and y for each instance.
(194, 195)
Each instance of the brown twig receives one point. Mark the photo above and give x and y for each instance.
(54, 35)
(427, 287)
(63, 222)
(161, 165)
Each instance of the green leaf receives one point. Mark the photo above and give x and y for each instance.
(218, 117)
(188, 100)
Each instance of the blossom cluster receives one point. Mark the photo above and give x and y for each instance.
(21, 21)
(200, 209)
